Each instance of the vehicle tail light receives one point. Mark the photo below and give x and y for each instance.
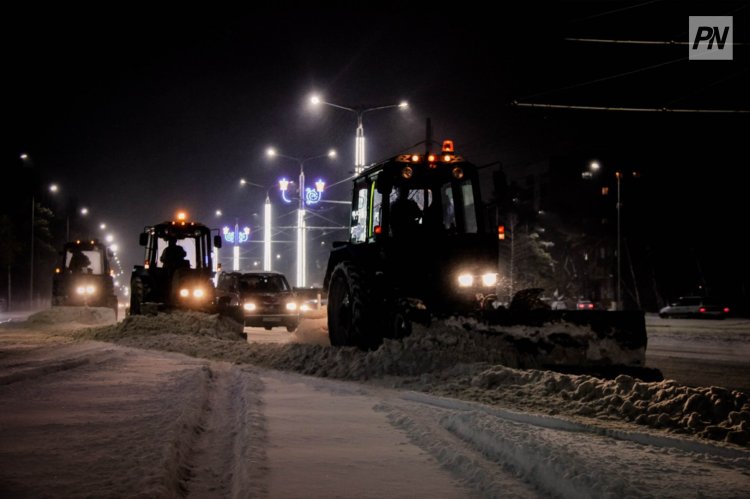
(726, 310)
(591, 305)
(702, 310)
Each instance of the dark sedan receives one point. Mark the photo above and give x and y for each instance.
(265, 299)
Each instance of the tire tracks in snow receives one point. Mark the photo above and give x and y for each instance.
(500, 453)
(220, 448)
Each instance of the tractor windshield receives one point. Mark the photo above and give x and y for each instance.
(84, 261)
(179, 253)
(433, 208)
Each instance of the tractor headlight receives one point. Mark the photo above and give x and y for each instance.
(250, 307)
(184, 293)
(291, 306)
(489, 279)
(465, 280)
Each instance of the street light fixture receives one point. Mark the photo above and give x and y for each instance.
(359, 152)
(301, 242)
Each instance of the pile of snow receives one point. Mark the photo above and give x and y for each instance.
(451, 361)
(711, 412)
(90, 316)
(190, 323)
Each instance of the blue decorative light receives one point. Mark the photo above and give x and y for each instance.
(312, 196)
(240, 236)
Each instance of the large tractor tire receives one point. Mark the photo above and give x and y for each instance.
(352, 317)
(136, 297)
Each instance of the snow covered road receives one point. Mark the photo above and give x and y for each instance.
(81, 418)
(95, 419)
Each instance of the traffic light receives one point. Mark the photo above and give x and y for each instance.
(501, 232)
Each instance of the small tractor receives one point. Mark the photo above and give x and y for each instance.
(83, 276)
(420, 250)
(177, 269)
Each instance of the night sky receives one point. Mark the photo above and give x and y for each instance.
(139, 112)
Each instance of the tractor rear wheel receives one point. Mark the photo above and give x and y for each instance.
(351, 315)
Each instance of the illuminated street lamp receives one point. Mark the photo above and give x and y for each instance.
(594, 167)
(359, 152)
(283, 185)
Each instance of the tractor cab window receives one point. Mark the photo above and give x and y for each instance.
(358, 229)
(407, 209)
(470, 214)
(434, 208)
(185, 248)
(83, 262)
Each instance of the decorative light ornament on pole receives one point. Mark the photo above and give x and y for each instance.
(236, 237)
(302, 201)
(359, 149)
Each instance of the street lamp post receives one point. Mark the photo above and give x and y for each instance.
(594, 167)
(619, 266)
(301, 242)
(359, 150)
(267, 224)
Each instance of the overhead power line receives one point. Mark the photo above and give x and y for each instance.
(637, 42)
(629, 109)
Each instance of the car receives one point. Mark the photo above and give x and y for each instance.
(261, 299)
(696, 307)
(585, 305)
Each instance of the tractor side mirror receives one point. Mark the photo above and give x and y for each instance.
(143, 239)
(217, 241)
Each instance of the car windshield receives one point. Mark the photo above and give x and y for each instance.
(263, 284)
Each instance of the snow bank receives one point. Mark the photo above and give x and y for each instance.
(451, 361)
(711, 412)
(178, 322)
(80, 315)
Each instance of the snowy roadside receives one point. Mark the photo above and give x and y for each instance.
(449, 361)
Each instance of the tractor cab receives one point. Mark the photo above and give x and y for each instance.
(416, 195)
(83, 276)
(177, 268)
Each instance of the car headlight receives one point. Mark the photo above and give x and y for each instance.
(90, 290)
(291, 306)
(198, 293)
(80, 290)
(249, 307)
(465, 280)
(184, 292)
(489, 279)
(304, 307)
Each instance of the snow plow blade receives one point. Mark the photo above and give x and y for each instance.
(571, 340)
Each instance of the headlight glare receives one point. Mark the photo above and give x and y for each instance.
(291, 306)
(489, 279)
(80, 290)
(465, 280)
(249, 307)
(184, 293)
(198, 293)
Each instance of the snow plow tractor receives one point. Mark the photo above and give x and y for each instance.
(419, 251)
(177, 270)
(83, 276)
